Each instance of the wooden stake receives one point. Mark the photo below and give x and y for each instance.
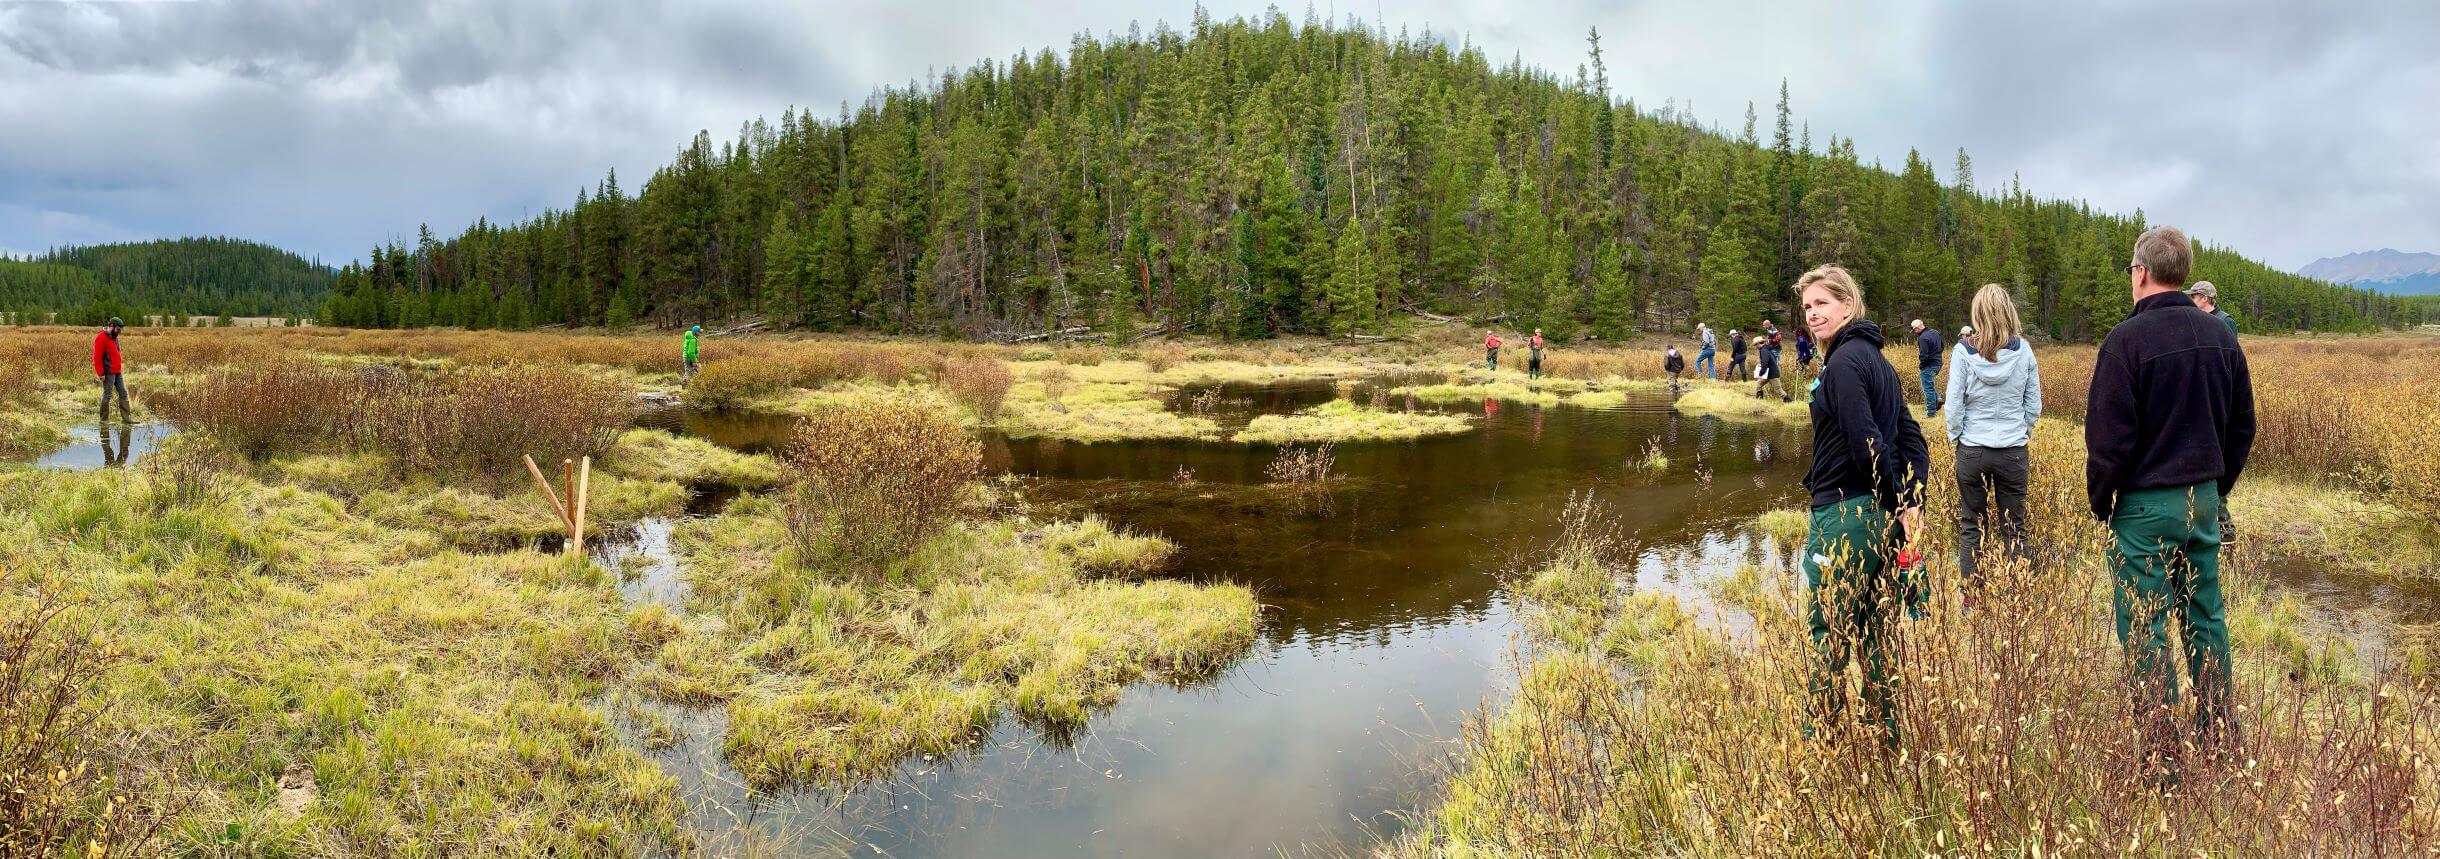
(584, 484)
(557, 506)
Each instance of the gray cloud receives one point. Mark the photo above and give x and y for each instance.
(2290, 132)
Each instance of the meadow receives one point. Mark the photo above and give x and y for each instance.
(329, 617)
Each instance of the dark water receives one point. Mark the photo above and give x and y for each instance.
(1385, 622)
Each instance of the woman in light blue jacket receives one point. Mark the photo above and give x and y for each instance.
(1994, 396)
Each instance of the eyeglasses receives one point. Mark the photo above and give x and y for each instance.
(2131, 267)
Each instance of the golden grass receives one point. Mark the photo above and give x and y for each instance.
(1098, 411)
(655, 455)
(831, 680)
(1737, 402)
(1342, 421)
(1476, 387)
(438, 699)
(2016, 737)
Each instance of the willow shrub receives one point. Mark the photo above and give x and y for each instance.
(476, 422)
(871, 482)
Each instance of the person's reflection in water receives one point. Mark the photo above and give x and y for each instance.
(1491, 408)
(1537, 424)
(1762, 450)
(113, 458)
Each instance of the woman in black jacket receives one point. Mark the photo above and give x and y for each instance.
(1869, 461)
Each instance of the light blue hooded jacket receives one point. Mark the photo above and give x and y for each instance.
(1993, 403)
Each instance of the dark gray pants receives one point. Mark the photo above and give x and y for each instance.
(1988, 478)
(115, 383)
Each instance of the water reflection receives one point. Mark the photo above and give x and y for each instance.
(1386, 620)
(110, 445)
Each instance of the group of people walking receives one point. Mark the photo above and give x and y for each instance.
(2169, 423)
(1766, 346)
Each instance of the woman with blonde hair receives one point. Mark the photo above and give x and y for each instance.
(1995, 394)
(1869, 460)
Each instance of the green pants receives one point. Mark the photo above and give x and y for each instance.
(2167, 562)
(1852, 602)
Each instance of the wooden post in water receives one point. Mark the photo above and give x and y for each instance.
(584, 483)
(571, 512)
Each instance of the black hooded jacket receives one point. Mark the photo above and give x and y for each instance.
(1864, 441)
(2172, 404)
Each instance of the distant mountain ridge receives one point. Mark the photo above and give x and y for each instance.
(188, 276)
(2389, 270)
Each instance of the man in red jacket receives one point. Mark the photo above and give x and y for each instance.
(108, 365)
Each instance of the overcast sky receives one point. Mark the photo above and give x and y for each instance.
(2290, 131)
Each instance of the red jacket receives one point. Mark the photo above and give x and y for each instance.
(105, 354)
(1491, 342)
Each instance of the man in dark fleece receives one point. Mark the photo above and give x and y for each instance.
(1736, 356)
(2170, 421)
(1928, 350)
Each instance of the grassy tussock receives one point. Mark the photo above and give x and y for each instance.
(1058, 407)
(2016, 735)
(477, 522)
(834, 679)
(438, 699)
(1784, 527)
(1473, 389)
(1343, 421)
(655, 455)
(2338, 526)
(1737, 402)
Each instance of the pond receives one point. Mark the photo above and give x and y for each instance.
(1386, 621)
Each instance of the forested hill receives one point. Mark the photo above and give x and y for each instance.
(187, 277)
(1244, 178)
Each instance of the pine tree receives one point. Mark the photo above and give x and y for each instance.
(1352, 281)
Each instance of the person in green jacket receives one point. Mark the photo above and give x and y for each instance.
(687, 374)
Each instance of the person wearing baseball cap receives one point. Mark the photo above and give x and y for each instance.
(110, 366)
(2207, 297)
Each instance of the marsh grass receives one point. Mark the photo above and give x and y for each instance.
(868, 485)
(1737, 402)
(656, 455)
(1056, 406)
(1655, 459)
(70, 786)
(1473, 389)
(1340, 421)
(834, 679)
(2016, 736)
(438, 699)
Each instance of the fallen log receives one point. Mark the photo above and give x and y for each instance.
(1011, 339)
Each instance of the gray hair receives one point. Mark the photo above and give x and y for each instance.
(2164, 252)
